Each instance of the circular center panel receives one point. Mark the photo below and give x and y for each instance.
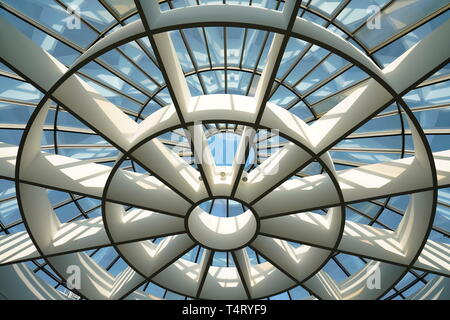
(222, 224)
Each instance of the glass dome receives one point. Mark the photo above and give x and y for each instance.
(224, 149)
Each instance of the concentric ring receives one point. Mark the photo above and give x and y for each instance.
(275, 218)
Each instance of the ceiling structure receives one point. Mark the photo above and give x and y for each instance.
(216, 150)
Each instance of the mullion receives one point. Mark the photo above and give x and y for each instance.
(393, 38)
(66, 201)
(311, 70)
(331, 20)
(3, 228)
(190, 53)
(261, 51)
(422, 279)
(319, 85)
(41, 267)
(225, 57)
(197, 254)
(122, 77)
(116, 91)
(137, 66)
(11, 225)
(344, 269)
(368, 20)
(211, 207)
(55, 130)
(76, 48)
(150, 57)
(66, 8)
(380, 210)
(330, 78)
(443, 204)
(409, 29)
(96, 250)
(78, 205)
(10, 75)
(154, 98)
(304, 51)
(348, 88)
(258, 259)
(278, 4)
(41, 27)
(368, 150)
(367, 216)
(113, 262)
(434, 81)
(244, 40)
(38, 265)
(193, 59)
(292, 67)
(365, 262)
(110, 10)
(308, 47)
(435, 228)
(289, 295)
(56, 151)
(406, 287)
(8, 198)
(87, 212)
(22, 102)
(205, 39)
(139, 42)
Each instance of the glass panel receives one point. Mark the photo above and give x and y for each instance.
(124, 66)
(197, 44)
(253, 45)
(351, 263)
(92, 11)
(314, 18)
(312, 57)
(327, 6)
(429, 95)
(358, 12)
(293, 50)
(283, 97)
(122, 7)
(235, 37)
(334, 271)
(390, 219)
(346, 79)
(14, 113)
(393, 20)
(323, 71)
(434, 119)
(56, 18)
(18, 90)
(9, 212)
(214, 36)
(395, 49)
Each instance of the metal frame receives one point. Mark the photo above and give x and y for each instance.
(400, 105)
